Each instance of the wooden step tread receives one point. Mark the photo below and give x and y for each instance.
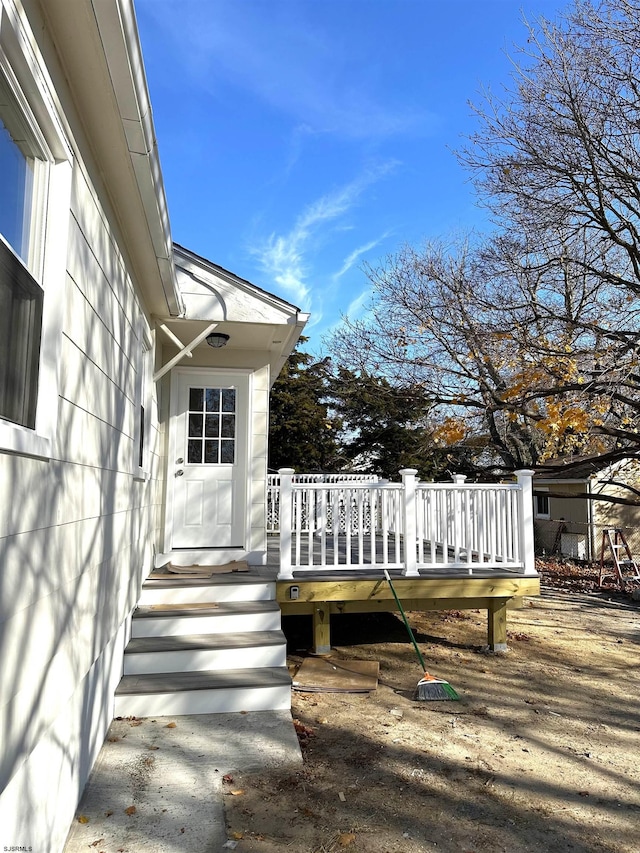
(191, 642)
(220, 608)
(230, 679)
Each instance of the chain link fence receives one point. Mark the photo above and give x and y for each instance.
(578, 541)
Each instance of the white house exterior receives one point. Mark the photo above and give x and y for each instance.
(216, 513)
(97, 324)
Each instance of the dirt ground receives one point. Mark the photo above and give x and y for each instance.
(539, 755)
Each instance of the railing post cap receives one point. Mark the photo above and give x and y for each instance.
(405, 471)
(525, 472)
(286, 470)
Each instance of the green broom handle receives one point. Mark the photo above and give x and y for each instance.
(406, 624)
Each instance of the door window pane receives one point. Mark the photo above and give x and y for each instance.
(196, 397)
(213, 426)
(211, 452)
(194, 452)
(213, 399)
(228, 426)
(211, 434)
(195, 425)
(229, 400)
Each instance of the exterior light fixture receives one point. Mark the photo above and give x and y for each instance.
(217, 339)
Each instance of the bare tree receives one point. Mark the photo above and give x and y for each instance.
(531, 338)
(520, 358)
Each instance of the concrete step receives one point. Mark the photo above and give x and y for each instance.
(229, 617)
(178, 589)
(197, 652)
(263, 689)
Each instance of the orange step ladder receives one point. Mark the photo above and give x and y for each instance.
(625, 568)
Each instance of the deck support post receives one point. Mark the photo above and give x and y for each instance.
(497, 625)
(286, 499)
(410, 522)
(322, 628)
(525, 481)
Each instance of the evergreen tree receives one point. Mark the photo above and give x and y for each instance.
(302, 433)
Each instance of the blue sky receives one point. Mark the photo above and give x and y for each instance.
(300, 138)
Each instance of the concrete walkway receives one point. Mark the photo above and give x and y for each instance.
(157, 786)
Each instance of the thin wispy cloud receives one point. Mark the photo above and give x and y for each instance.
(351, 259)
(285, 258)
(357, 305)
(356, 308)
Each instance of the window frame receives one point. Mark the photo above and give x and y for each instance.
(536, 498)
(26, 79)
(143, 403)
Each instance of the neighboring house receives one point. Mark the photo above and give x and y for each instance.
(98, 314)
(568, 516)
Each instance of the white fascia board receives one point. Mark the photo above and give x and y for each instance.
(559, 482)
(119, 35)
(288, 345)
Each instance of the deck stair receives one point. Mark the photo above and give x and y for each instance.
(204, 646)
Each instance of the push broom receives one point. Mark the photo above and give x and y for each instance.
(429, 687)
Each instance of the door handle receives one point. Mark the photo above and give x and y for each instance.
(179, 472)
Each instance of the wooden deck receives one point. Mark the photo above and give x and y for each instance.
(325, 590)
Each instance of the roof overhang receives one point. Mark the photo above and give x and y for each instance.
(254, 319)
(99, 48)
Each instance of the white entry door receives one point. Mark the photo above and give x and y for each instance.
(210, 416)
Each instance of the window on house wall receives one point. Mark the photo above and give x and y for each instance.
(144, 403)
(36, 164)
(21, 296)
(541, 506)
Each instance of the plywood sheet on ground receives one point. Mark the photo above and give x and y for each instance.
(332, 675)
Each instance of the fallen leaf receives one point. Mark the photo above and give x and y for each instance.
(171, 725)
(83, 819)
(131, 810)
(153, 747)
(237, 793)
(227, 779)
(346, 838)
(108, 814)
(113, 739)
(237, 835)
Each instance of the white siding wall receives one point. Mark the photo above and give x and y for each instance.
(76, 535)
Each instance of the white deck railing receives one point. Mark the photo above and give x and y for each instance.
(273, 490)
(360, 525)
